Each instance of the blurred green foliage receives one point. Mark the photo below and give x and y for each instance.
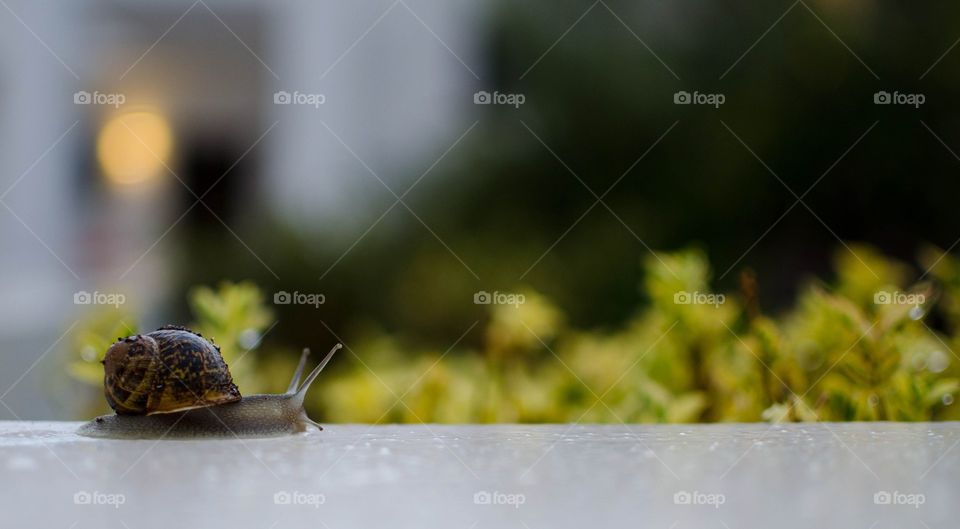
(868, 347)
(510, 199)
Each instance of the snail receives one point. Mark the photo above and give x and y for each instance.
(173, 383)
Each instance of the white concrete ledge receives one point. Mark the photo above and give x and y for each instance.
(853, 476)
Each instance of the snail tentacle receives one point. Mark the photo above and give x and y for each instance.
(292, 388)
(299, 395)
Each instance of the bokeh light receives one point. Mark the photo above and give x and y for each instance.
(134, 147)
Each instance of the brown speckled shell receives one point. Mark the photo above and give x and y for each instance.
(168, 370)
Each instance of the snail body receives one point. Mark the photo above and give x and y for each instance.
(172, 383)
(252, 416)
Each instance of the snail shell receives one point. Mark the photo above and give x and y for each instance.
(168, 370)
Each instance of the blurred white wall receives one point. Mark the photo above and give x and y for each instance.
(394, 94)
(37, 182)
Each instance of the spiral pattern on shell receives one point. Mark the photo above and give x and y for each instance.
(168, 370)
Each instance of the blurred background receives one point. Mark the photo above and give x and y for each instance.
(508, 211)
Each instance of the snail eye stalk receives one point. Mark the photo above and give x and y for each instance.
(292, 388)
(302, 391)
